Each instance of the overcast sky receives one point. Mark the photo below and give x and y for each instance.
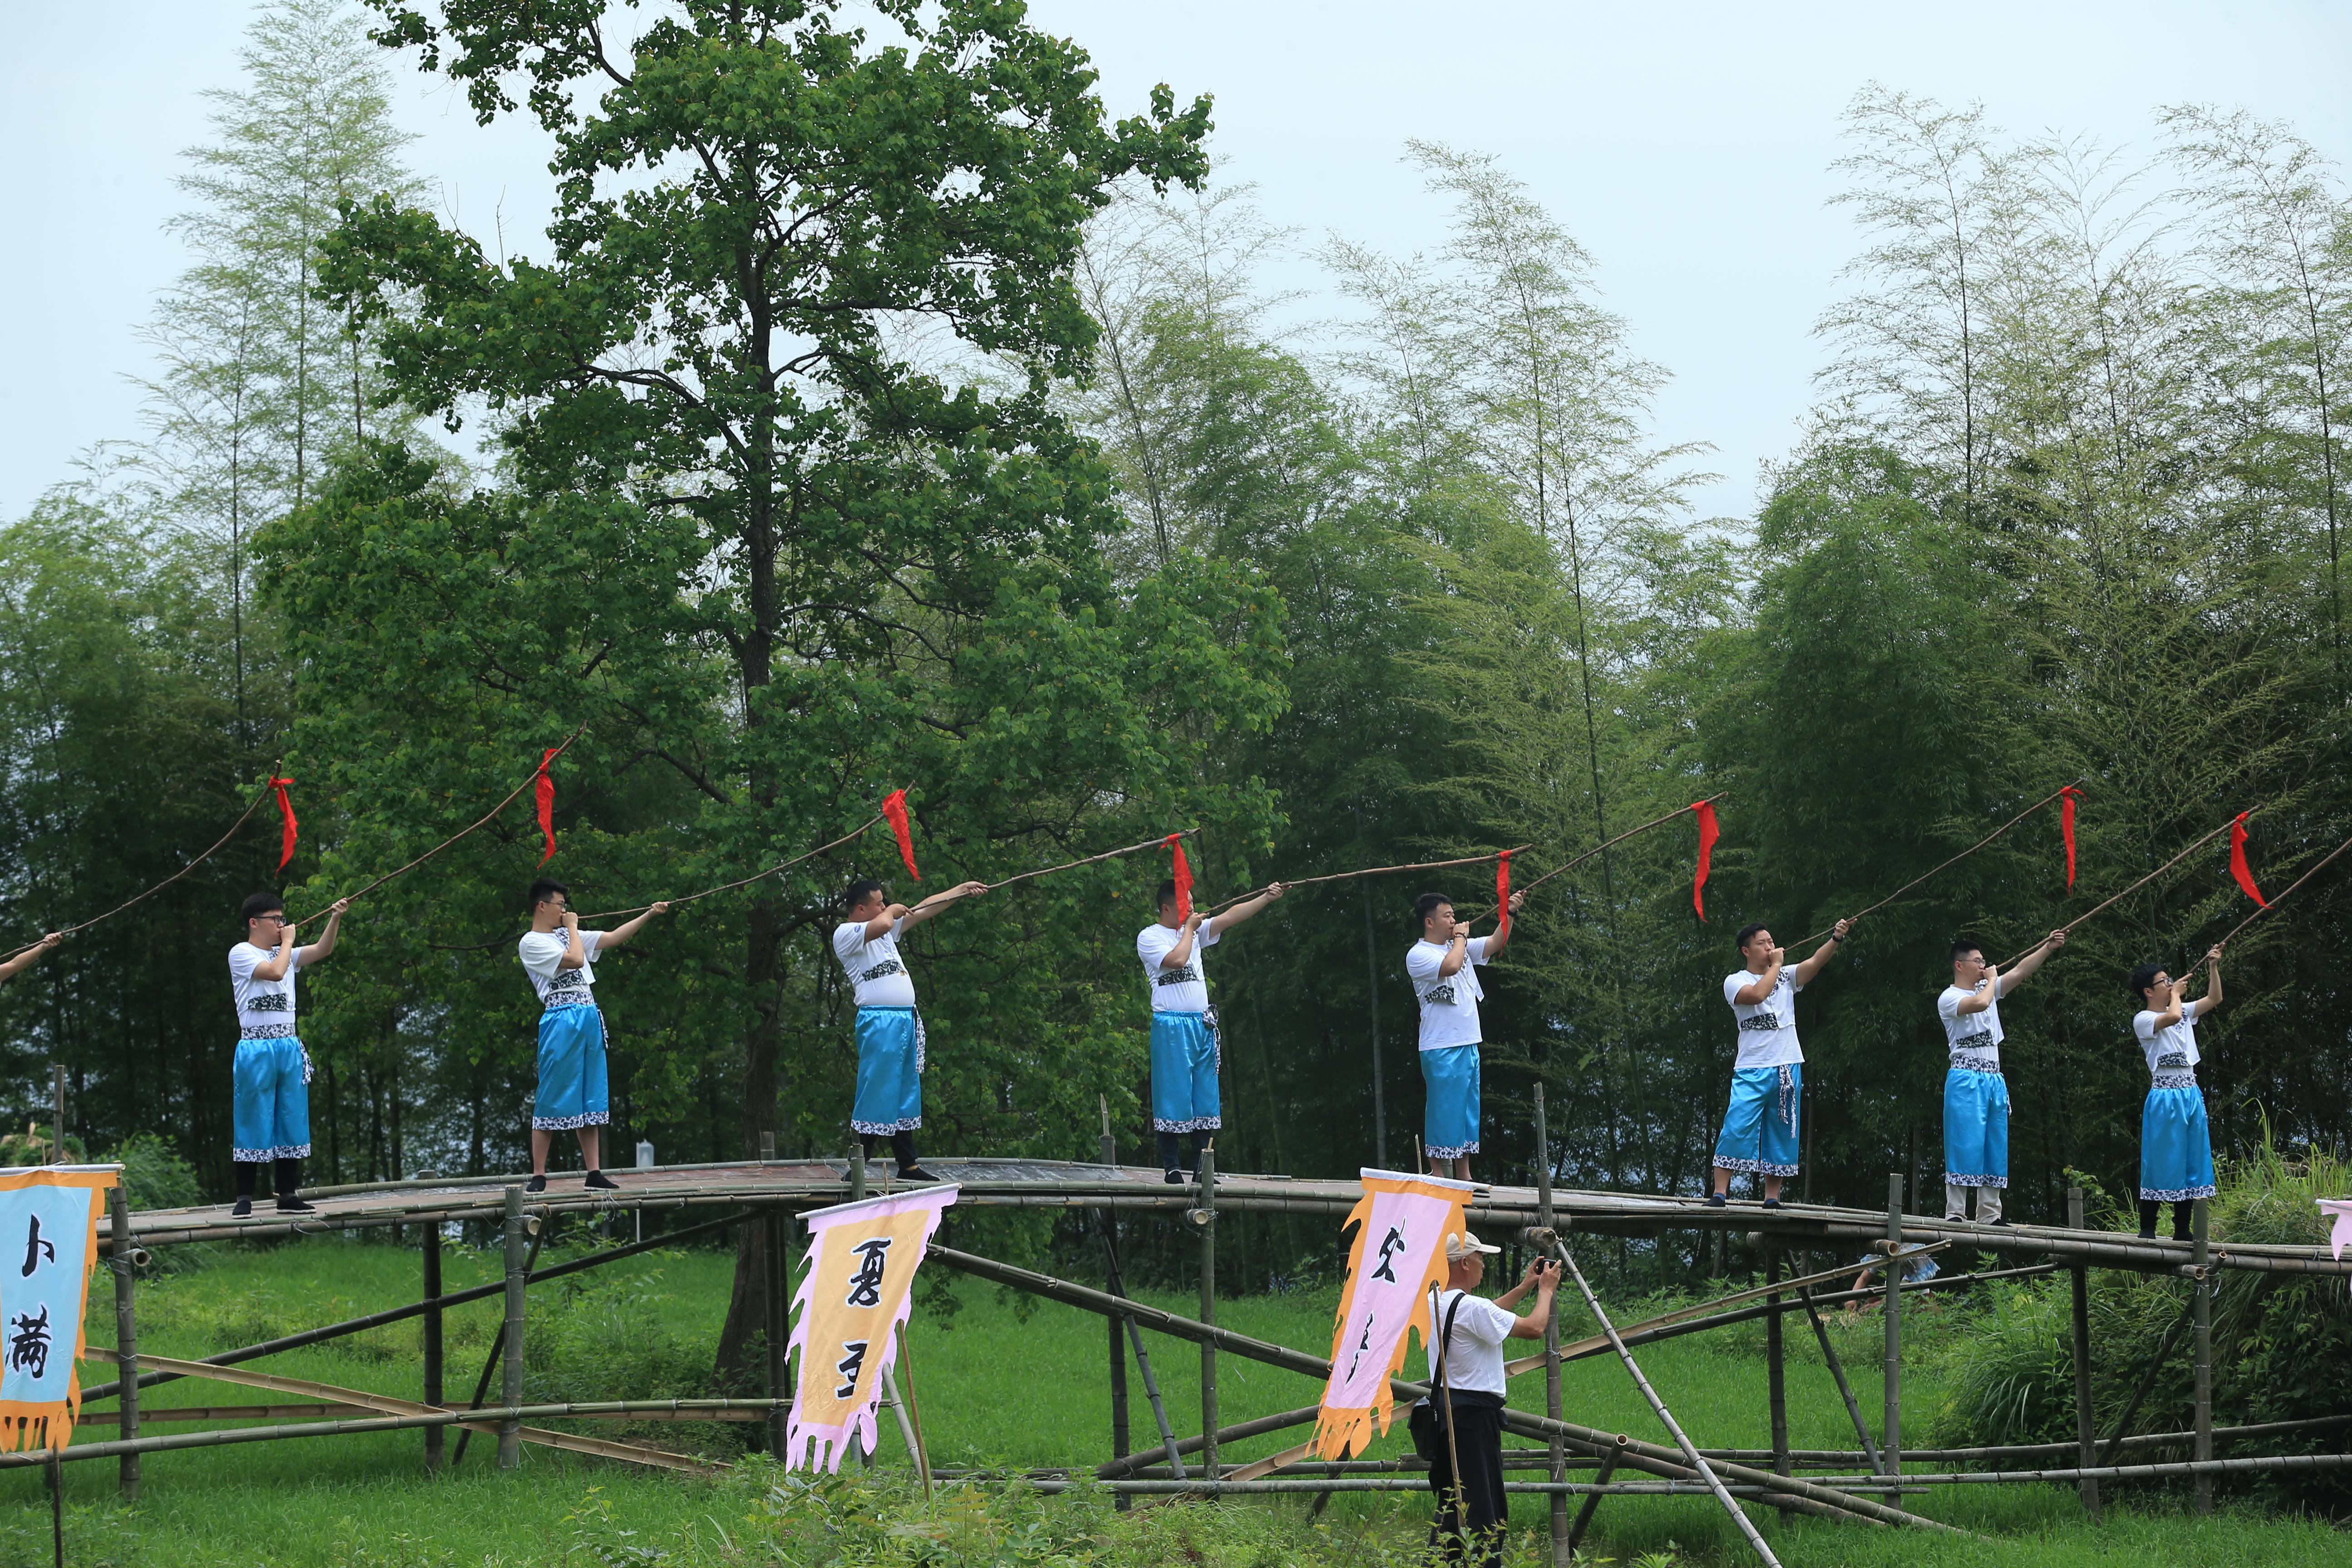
(1688, 146)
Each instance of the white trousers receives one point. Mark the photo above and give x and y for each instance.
(1956, 1203)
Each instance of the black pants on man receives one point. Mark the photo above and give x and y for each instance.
(1478, 1445)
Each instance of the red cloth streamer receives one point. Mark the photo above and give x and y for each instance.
(545, 786)
(894, 806)
(2238, 867)
(1183, 877)
(1708, 833)
(2067, 799)
(286, 815)
(1503, 888)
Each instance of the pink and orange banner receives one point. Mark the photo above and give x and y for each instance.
(860, 1271)
(1397, 1256)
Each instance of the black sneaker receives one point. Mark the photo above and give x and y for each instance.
(915, 1174)
(536, 1185)
(241, 1209)
(602, 1183)
(289, 1203)
(2003, 1220)
(1175, 1178)
(1772, 1202)
(1716, 1200)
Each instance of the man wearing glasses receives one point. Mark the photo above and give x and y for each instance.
(572, 1093)
(272, 1075)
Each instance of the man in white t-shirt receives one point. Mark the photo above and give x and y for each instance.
(1186, 1104)
(271, 1103)
(573, 1091)
(890, 1040)
(31, 955)
(1768, 1079)
(1474, 1518)
(1976, 1096)
(2176, 1144)
(1444, 969)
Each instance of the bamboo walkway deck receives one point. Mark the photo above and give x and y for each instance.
(1050, 1183)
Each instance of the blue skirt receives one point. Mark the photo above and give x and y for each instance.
(271, 1101)
(571, 1088)
(1976, 1129)
(889, 1071)
(1449, 1127)
(2176, 1149)
(1184, 1062)
(1760, 1129)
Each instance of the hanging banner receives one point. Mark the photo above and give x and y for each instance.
(1708, 833)
(287, 831)
(1182, 877)
(2240, 871)
(1398, 1254)
(2067, 799)
(543, 786)
(49, 1241)
(894, 806)
(855, 1290)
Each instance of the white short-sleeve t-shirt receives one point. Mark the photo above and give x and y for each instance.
(1768, 1029)
(542, 959)
(1978, 1034)
(1473, 1352)
(262, 1004)
(1184, 989)
(874, 967)
(2172, 1049)
(1449, 1002)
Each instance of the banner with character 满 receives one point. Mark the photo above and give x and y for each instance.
(856, 1289)
(49, 1243)
(1398, 1255)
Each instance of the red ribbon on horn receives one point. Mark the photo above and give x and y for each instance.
(2067, 799)
(2238, 867)
(1183, 875)
(545, 787)
(894, 806)
(288, 832)
(1708, 833)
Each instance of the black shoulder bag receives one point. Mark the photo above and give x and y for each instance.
(1421, 1421)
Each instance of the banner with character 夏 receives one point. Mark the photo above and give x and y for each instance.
(1397, 1254)
(860, 1271)
(49, 1241)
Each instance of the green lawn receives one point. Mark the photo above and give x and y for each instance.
(998, 1385)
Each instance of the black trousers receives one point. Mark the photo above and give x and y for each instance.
(1479, 1446)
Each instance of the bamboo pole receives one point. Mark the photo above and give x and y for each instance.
(1845, 1390)
(2084, 1435)
(518, 1277)
(1938, 870)
(1775, 1368)
(1575, 860)
(2199, 1215)
(2148, 1380)
(1666, 1417)
(1143, 1362)
(1206, 1217)
(2194, 845)
(1147, 1464)
(122, 1265)
(1892, 1443)
(435, 1436)
(1120, 1430)
(775, 1230)
(1591, 1498)
(915, 1415)
(498, 1348)
(1564, 1538)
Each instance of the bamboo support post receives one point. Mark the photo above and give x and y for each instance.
(2147, 1380)
(57, 1085)
(1892, 1445)
(1691, 1454)
(121, 1261)
(436, 1438)
(1118, 1292)
(1121, 1433)
(775, 1227)
(1846, 1389)
(1567, 1554)
(856, 1168)
(517, 1277)
(2199, 1215)
(1776, 1370)
(1563, 1545)
(2085, 1437)
(1206, 1217)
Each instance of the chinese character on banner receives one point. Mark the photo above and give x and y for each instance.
(49, 1241)
(860, 1271)
(1398, 1255)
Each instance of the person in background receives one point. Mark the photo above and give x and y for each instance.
(2175, 1147)
(573, 1092)
(890, 1041)
(1443, 967)
(1472, 1521)
(1767, 1079)
(1975, 1096)
(271, 1076)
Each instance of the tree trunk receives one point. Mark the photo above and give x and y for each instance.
(742, 1342)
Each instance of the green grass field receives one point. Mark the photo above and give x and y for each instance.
(998, 1384)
